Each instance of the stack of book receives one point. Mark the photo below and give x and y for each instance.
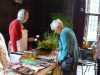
(22, 70)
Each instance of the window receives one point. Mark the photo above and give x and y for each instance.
(92, 19)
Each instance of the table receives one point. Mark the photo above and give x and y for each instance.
(53, 68)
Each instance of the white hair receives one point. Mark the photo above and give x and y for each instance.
(21, 15)
(54, 24)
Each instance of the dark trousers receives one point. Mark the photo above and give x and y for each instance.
(71, 72)
(98, 66)
(68, 69)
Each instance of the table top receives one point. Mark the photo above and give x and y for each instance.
(42, 71)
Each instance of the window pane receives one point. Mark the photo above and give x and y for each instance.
(92, 19)
(92, 6)
(92, 28)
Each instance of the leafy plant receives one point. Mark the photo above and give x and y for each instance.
(49, 42)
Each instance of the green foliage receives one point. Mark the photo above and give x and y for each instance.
(49, 42)
(67, 22)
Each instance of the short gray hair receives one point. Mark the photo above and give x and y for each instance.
(54, 24)
(21, 14)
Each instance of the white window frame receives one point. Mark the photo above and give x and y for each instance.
(92, 19)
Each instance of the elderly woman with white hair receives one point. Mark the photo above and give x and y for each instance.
(68, 48)
(15, 30)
